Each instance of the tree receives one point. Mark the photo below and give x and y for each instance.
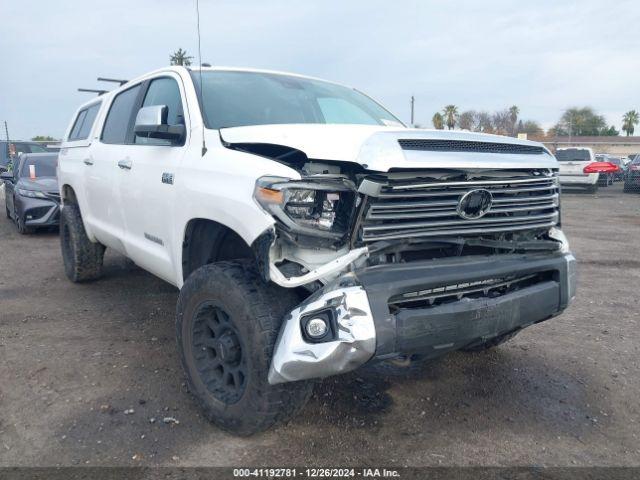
(579, 122)
(610, 131)
(467, 120)
(501, 121)
(629, 121)
(180, 57)
(450, 116)
(513, 119)
(43, 138)
(438, 121)
(530, 127)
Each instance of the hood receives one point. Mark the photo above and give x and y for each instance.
(41, 184)
(378, 148)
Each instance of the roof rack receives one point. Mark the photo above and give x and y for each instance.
(113, 80)
(103, 79)
(92, 90)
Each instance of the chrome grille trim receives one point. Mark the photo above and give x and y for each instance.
(428, 209)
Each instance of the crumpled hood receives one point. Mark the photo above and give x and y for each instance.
(377, 148)
(41, 184)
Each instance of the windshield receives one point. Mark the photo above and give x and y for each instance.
(234, 99)
(44, 166)
(572, 154)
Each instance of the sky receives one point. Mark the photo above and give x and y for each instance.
(542, 56)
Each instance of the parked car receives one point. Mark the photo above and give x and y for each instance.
(632, 179)
(32, 197)
(606, 179)
(572, 164)
(619, 175)
(309, 231)
(13, 149)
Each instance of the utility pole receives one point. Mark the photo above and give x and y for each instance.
(6, 130)
(413, 101)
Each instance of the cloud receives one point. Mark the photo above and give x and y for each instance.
(542, 56)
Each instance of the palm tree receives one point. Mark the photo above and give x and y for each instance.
(513, 118)
(438, 121)
(180, 57)
(450, 116)
(629, 121)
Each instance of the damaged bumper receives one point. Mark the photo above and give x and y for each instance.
(429, 307)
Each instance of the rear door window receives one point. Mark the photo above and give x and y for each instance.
(117, 126)
(84, 122)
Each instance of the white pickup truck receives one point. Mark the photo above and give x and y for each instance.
(308, 230)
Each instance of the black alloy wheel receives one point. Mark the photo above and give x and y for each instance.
(218, 353)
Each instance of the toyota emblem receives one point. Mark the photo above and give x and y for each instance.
(474, 204)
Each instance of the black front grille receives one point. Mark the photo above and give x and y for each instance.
(486, 288)
(36, 213)
(433, 145)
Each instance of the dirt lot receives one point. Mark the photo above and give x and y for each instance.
(74, 358)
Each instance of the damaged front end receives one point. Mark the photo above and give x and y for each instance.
(418, 262)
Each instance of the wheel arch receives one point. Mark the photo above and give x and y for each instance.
(68, 194)
(207, 241)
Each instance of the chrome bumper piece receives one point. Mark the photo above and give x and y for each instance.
(296, 359)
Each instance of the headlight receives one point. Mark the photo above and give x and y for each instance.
(31, 193)
(321, 207)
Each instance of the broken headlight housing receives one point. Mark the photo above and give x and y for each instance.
(322, 207)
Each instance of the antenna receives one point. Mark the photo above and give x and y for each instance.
(204, 147)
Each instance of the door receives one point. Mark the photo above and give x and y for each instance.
(103, 173)
(146, 185)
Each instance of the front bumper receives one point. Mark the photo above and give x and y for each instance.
(368, 329)
(38, 212)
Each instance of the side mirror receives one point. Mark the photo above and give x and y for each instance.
(151, 122)
(7, 176)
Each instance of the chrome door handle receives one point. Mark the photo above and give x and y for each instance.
(125, 164)
(88, 161)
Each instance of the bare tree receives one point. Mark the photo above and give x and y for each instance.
(484, 122)
(467, 120)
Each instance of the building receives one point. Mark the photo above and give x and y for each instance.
(618, 145)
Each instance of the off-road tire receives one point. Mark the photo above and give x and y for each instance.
(82, 258)
(256, 310)
(494, 342)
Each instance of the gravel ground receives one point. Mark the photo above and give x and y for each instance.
(89, 372)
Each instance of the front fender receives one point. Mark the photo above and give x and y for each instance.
(219, 187)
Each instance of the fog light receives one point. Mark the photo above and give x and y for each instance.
(317, 327)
